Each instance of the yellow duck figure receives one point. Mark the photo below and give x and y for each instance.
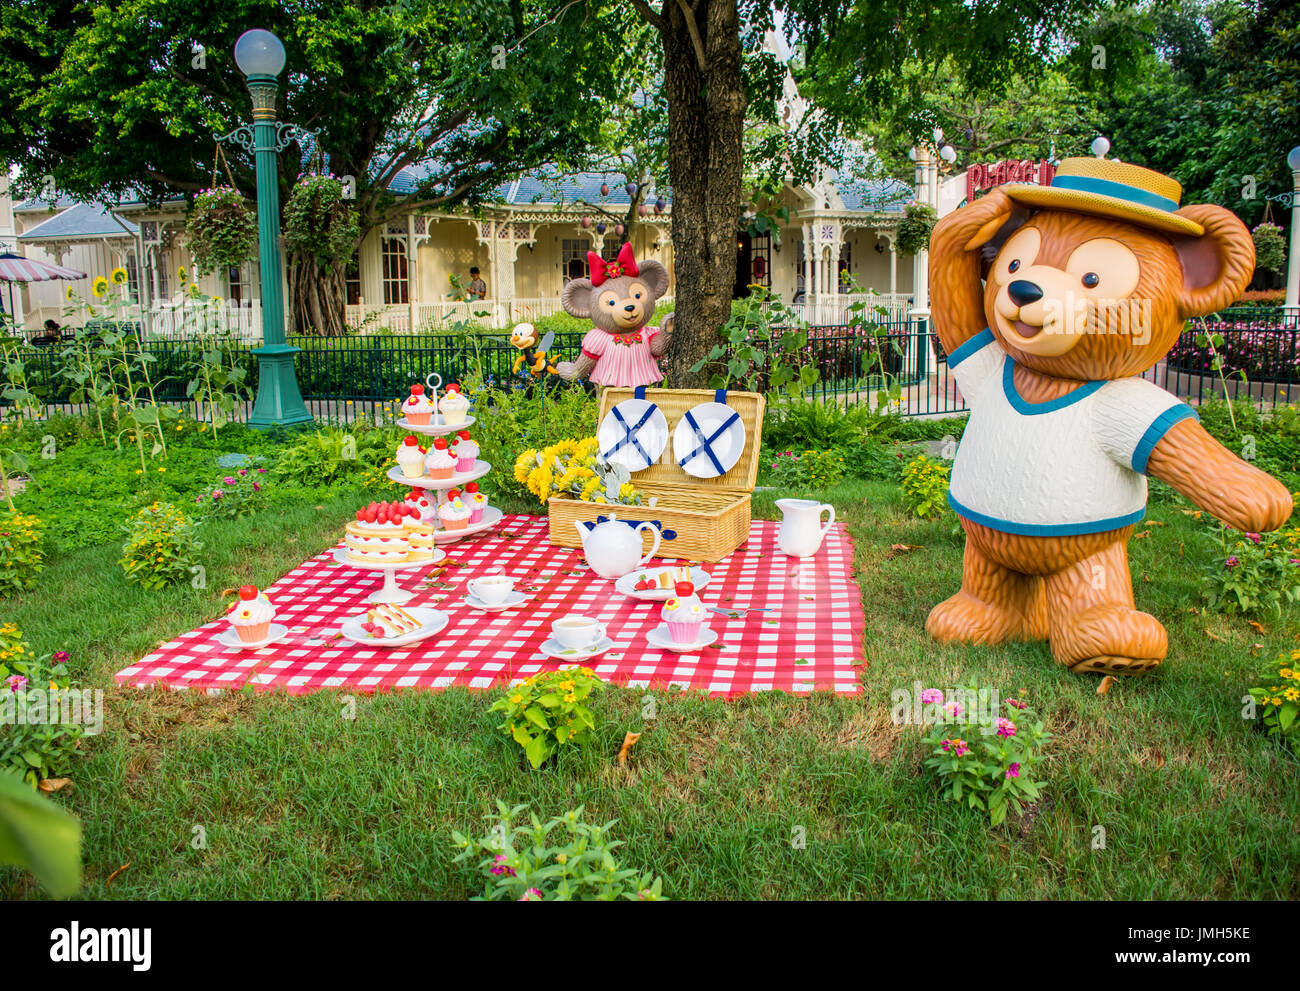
(532, 355)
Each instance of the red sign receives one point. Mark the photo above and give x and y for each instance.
(987, 176)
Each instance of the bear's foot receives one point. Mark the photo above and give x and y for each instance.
(1109, 639)
(962, 618)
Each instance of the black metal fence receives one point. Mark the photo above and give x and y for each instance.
(346, 378)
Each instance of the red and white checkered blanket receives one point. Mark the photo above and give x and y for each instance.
(809, 637)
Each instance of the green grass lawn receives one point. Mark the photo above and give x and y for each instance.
(296, 801)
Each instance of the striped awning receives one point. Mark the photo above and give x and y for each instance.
(16, 268)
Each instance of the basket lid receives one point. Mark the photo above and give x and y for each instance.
(674, 403)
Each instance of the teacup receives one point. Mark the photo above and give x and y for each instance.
(491, 590)
(577, 632)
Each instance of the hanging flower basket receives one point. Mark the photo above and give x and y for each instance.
(221, 230)
(317, 221)
(915, 228)
(1270, 247)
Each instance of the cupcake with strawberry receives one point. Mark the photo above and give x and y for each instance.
(453, 406)
(440, 462)
(454, 513)
(251, 615)
(466, 451)
(476, 501)
(418, 408)
(684, 614)
(410, 457)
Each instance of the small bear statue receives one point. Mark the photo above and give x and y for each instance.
(619, 298)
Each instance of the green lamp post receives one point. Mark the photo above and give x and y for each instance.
(260, 57)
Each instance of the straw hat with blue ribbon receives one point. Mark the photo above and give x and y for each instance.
(1106, 188)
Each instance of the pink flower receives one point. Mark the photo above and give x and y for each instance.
(16, 682)
(531, 895)
(931, 695)
(227, 481)
(261, 471)
(61, 657)
(217, 493)
(1006, 727)
(1232, 562)
(256, 487)
(501, 867)
(956, 747)
(1013, 771)
(242, 472)
(1016, 703)
(1254, 538)
(954, 709)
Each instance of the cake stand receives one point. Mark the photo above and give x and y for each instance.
(491, 515)
(391, 592)
(436, 428)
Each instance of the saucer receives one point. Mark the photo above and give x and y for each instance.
(431, 621)
(553, 648)
(229, 638)
(659, 637)
(515, 598)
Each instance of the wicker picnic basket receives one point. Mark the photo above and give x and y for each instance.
(700, 519)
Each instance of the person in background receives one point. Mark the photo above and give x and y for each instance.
(49, 334)
(477, 287)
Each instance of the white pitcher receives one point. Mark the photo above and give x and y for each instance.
(801, 532)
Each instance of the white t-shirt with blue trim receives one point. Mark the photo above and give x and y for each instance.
(1076, 464)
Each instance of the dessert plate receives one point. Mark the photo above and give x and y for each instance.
(431, 621)
(229, 638)
(491, 517)
(661, 639)
(633, 434)
(437, 427)
(699, 578)
(456, 480)
(713, 444)
(554, 649)
(515, 599)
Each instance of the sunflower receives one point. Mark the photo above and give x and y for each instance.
(99, 287)
(67, 293)
(182, 275)
(118, 276)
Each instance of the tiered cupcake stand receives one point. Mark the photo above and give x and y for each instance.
(390, 592)
(440, 486)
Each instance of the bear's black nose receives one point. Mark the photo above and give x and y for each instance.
(1023, 293)
(630, 308)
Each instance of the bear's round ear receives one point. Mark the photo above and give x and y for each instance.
(1218, 265)
(654, 275)
(576, 298)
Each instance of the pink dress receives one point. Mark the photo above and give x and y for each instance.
(622, 359)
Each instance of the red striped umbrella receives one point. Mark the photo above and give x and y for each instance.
(16, 268)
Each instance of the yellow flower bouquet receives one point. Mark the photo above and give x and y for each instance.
(574, 468)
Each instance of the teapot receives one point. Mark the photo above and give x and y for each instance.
(613, 547)
(801, 531)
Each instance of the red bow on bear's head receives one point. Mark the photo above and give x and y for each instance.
(623, 265)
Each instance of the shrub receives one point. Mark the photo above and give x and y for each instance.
(525, 863)
(1280, 700)
(986, 766)
(811, 469)
(549, 711)
(925, 487)
(915, 228)
(795, 424)
(1253, 574)
(334, 454)
(1270, 247)
(21, 552)
(234, 495)
(32, 748)
(161, 546)
(872, 460)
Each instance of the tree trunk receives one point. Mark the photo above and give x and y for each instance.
(706, 123)
(317, 295)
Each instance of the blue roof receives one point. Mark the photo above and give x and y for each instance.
(81, 220)
(875, 195)
(543, 186)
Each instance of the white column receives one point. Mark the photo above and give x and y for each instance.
(809, 290)
(1292, 308)
(921, 260)
(412, 258)
(893, 271)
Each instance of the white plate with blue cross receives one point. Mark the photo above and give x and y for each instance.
(709, 440)
(633, 434)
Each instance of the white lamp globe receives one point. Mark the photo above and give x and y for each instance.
(1100, 146)
(259, 53)
(1293, 159)
(948, 153)
(938, 134)
(911, 153)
